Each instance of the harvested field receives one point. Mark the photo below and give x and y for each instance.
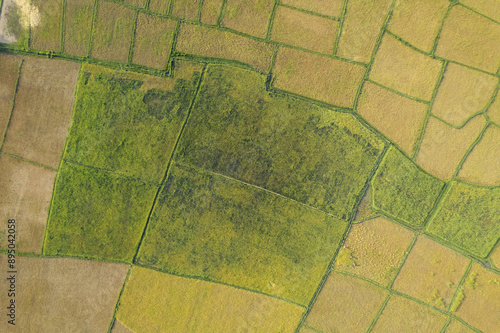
(362, 24)
(457, 327)
(401, 190)
(431, 273)
(374, 249)
(328, 80)
(26, 191)
(208, 226)
(64, 295)
(160, 6)
(345, 304)
(418, 22)
(199, 306)
(495, 257)
(468, 218)
(399, 67)
(248, 16)
(364, 208)
(400, 119)
(494, 110)
(153, 40)
(77, 26)
(443, 146)
(112, 32)
(185, 9)
(118, 327)
(325, 7)
(46, 35)
(470, 39)
(83, 199)
(213, 43)
(43, 109)
(486, 7)
(9, 67)
(304, 30)
(481, 304)
(403, 315)
(210, 11)
(462, 93)
(137, 3)
(482, 165)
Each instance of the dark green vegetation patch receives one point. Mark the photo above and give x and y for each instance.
(313, 155)
(120, 126)
(468, 217)
(212, 227)
(95, 214)
(403, 191)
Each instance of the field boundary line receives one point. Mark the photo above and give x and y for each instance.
(437, 204)
(270, 22)
(379, 312)
(132, 40)
(117, 304)
(441, 25)
(63, 25)
(170, 7)
(459, 286)
(28, 161)
(92, 26)
(221, 14)
(403, 260)
(307, 11)
(13, 103)
(397, 92)
(469, 150)
(478, 13)
(198, 14)
(340, 27)
(445, 326)
(310, 328)
(173, 45)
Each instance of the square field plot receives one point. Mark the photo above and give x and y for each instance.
(128, 123)
(26, 191)
(210, 11)
(431, 273)
(43, 109)
(209, 226)
(304, 30)
(313, 155)
(324, 7)
(9, 67)
(374, 249)
(400, 67)
(63, 295)
(468, 217)
(77, 26)
(470, 39)
(403, 315)
(324, 79)
(97, 215)
(46, 34)
(248, 16)
(157, 302)
(112, 32)
(345, 304)
(480, 303)
(185, 9)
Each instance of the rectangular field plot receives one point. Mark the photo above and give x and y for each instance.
(153, 40)
(77, 26)
(313, 155)
(156, 302)
(129, 123)
(43, 109)
(468, 218)
(9, 67)
(112, 32)
(210, 11)
(402, 190)
(345, 304)
(248, 16)
(63, 295)
(46, 33)
(95, 214)
(208, 226)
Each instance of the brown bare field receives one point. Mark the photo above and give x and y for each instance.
(325, 79)
(9, 66)
(26, 192)
(364, 208)
(199, 306)
(248, 16)
(399, 67)
(43, 109)
(494, 110)
(418, 22)
(345, 304)
(325, 7)
(159, 6)
(495, 257)
(210, 11)
(482, 166)
(489, 8)
(431, 273)
(215, 43)
(77, 25)
(443, 146)
(374, 249)
(46, 35)
(153, 40)
(304, 30)
(403, 315)
(397, 117)
(112, 32)
(461, 93)
(470, 39)
(186, 9)
(457, 327)
(118, 327)
(362, 24)
(64, 295)
(481, 305)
